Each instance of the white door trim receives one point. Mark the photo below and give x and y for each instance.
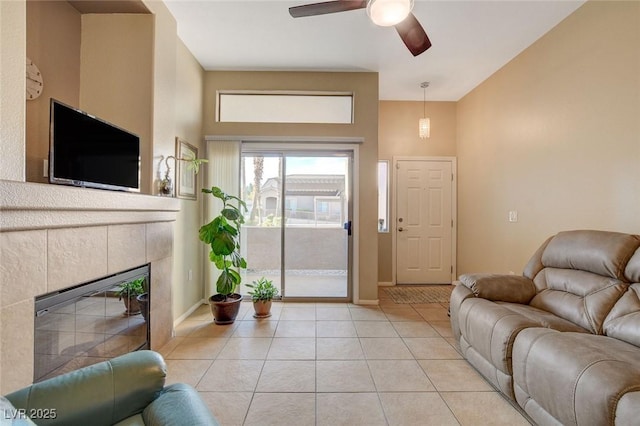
(454, 210)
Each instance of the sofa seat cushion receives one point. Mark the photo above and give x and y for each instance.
(543, 318)
(491, 327)
(576, 378)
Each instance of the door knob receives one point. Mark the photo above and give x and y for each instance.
(400, 229)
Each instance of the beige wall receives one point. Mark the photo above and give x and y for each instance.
(13, 37)
(53, 44)
(101, 63)
(116, 77)
(165, 41)
(398, 136)
(365, 88)
(171, 95)
(555, 135)
(189, 253)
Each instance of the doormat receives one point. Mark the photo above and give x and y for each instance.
(423, 294)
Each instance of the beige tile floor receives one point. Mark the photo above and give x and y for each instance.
(334, 364)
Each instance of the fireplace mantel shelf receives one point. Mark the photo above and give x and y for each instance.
(27, 205)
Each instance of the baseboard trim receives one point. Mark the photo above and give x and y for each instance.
(386, 284)
(191, 310)
(367, 302)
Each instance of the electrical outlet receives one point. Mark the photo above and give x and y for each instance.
(513, 216)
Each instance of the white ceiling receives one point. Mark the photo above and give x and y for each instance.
(471, 40)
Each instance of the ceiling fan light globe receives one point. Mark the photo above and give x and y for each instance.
(386, 13)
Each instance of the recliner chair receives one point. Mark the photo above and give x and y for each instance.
(126, 390)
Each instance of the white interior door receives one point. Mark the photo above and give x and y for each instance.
(424, 222)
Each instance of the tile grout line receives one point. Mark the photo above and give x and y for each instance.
(440, 333)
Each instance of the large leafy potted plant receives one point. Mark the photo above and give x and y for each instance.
(222, 235)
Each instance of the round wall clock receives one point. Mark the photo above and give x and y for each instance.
(34, 81)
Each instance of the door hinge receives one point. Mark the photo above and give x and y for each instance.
(452, 269)
(451, 177)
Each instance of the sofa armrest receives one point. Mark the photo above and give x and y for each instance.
(100, 394)
(500, 288)
(178, 404)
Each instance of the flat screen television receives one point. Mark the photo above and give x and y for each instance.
(87, 151)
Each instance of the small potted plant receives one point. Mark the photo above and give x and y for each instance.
(263, 292)
(222, 234)
(143, 301)
(128, 293)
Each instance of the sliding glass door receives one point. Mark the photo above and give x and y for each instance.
(298, 221)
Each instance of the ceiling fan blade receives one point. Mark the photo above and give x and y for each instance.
(326, 7)
(413, 35)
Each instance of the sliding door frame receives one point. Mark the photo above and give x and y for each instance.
(349, 146)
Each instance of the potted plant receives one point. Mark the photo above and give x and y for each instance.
(222, 234)
(262, 293)
(143, 301)
(128, 293)
(165, 186)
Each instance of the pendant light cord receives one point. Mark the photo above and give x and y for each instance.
(424, 86)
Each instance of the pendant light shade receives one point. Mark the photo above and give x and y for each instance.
(424, 125)
(386, 13)
(424, 128)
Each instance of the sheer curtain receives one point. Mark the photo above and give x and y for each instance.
(223, 171)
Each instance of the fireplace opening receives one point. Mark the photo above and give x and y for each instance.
(91, 322)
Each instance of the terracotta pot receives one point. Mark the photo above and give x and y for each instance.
(143, 301)
(225, 311)
(262, 308)
(132, 305)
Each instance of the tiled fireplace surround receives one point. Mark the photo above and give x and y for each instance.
(53, 237)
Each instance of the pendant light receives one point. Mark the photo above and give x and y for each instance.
(424, 125)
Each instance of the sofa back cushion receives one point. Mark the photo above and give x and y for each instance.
(623, 322)
(580, 275)
(603, 253)
(632, 271)
(583, 298)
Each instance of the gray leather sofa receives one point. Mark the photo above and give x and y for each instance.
(125, 391)
(563, 340)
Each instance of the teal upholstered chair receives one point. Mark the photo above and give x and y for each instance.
(127, 390)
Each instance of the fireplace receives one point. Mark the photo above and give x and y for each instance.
(54, 237)
(89, 323)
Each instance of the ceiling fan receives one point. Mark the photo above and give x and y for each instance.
(384, 13)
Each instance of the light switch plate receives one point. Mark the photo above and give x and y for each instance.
(513, 216)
